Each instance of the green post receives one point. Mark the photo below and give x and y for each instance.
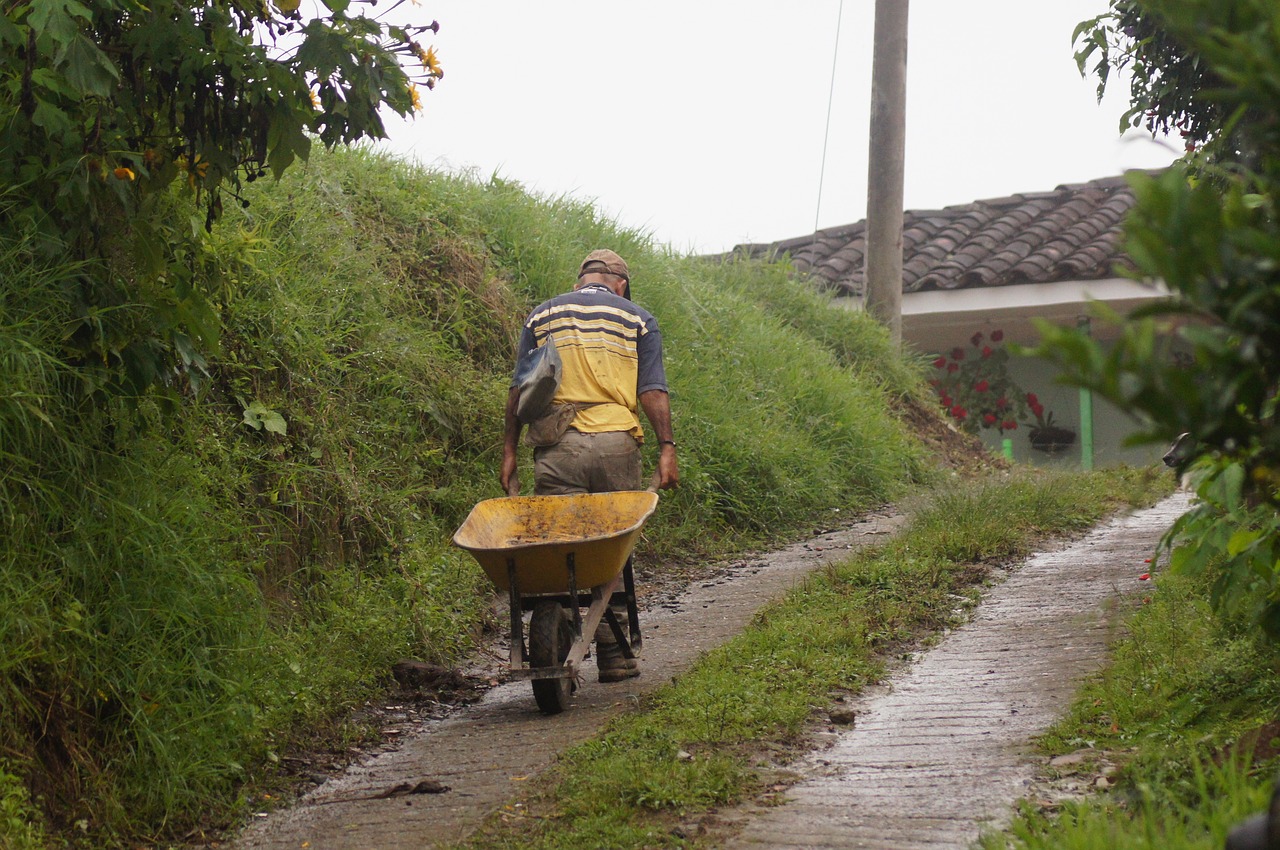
(1006, 445)
(1086, 412)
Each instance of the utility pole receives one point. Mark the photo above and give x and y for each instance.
(885, 166)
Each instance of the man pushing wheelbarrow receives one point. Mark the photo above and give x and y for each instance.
(588, 437)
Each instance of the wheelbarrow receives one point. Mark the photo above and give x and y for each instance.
(555, 556)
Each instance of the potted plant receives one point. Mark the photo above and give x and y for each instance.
(974, 386)
(977, 393)
(1046, 436)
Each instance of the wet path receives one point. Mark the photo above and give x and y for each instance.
(943, 752)
(485, 753)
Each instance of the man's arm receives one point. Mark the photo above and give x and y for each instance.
(509, 476)
(657, 407)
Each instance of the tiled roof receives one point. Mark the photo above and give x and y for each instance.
(1071, 233)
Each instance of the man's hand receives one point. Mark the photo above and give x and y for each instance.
(507, 475)
(668, 469)
(657, 408)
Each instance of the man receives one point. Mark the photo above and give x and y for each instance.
(611, 351)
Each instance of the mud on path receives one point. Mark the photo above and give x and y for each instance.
(485, 753)
(942, 751)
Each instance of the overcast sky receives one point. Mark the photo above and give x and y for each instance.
(702, 122)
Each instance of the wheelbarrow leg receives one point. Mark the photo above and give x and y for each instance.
(627, 596)
(633, 609)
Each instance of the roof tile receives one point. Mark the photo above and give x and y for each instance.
(1071, 233)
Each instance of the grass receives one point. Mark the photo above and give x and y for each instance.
(1188, 707)
(696, 744)
(189, 592)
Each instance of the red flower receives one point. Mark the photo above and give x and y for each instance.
(986, 351)
(959, 412)
(1009, 425)
(996, 336)
(1002, 403)
(1031, 399)
(989, 418)
(1038, 409)
(946, 400)
(957, 354)
(940, 362)
(976, 338)
(953, 367)
(982, 386)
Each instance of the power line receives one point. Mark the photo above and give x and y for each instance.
(826, 133)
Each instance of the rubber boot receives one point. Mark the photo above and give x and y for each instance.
(610, 662)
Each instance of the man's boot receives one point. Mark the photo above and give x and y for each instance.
(612, 664)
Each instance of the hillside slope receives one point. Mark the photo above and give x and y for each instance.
(193, 578)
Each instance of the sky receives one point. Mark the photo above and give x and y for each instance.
(703, 123)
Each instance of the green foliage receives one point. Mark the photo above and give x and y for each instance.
(1207, 360)
(1193, 812)
(1132, 37)
(106, 103)
(20, 823)
(190, 581)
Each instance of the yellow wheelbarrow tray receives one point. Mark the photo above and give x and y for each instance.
(556, 555)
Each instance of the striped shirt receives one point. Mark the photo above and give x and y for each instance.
(611, 350)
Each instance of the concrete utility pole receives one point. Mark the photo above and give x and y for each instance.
(885, 165)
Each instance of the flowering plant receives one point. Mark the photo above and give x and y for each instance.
(975, 389)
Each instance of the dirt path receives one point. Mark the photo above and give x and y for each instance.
(484, 753)
(942, 752)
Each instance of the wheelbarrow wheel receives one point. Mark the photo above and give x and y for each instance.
(550, 636)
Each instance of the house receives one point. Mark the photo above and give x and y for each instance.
(994, 265)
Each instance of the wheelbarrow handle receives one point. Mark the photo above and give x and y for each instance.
(654, 482)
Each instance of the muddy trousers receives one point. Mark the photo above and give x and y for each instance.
(594, 463)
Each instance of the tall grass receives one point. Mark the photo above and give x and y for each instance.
(189, 578)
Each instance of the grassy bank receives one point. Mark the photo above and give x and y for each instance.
(193, 577)
(1187, 710)
(695, 743)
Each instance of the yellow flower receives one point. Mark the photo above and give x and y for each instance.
(199, 169)
(123, 173)
(432, 63)
(413, 95)
(315, 100)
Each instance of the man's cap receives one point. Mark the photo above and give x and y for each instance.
(604, 260)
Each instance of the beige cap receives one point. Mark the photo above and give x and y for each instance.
(604, 260)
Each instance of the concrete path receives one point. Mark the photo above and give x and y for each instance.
(486, 753)
(943, 752)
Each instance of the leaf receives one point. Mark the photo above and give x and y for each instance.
(9, 31)
(1242, 540)
(86, 67)
(54, 121)
(259, 417)
(337, 6)
(51, 19)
